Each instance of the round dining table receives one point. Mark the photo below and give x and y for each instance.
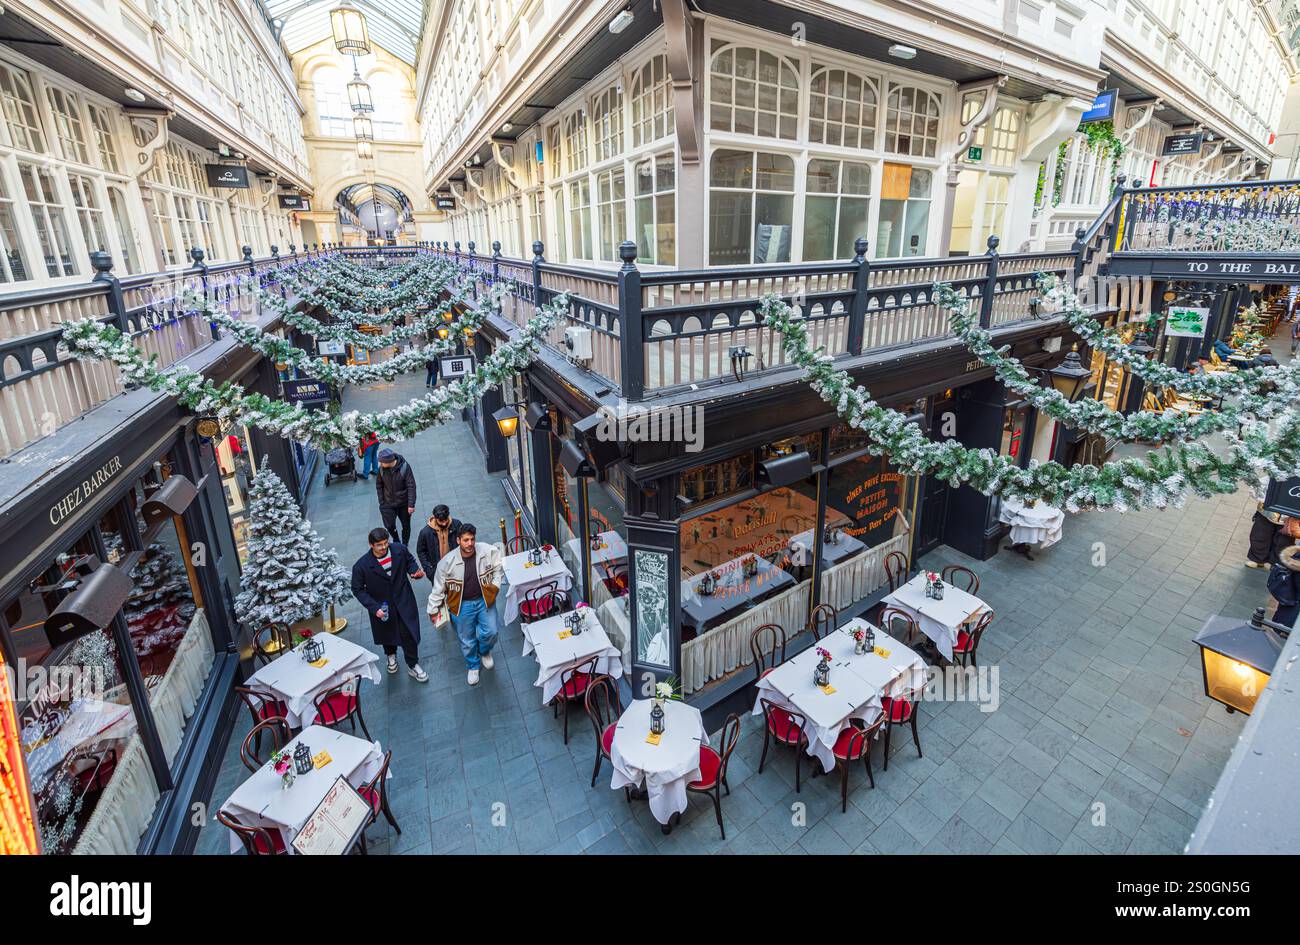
(664, 769)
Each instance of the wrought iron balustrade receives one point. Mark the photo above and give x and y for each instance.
(1259, 217)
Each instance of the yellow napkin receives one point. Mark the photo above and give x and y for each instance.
(828, 689)
(321, 759)
(881, 652)
(320, 663)
(564, 634)
(653, 738)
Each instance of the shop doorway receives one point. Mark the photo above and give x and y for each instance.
(934, 502)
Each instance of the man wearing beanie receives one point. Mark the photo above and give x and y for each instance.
(395, 486)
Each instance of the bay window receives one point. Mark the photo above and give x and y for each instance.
(607, 119)
(836, 209)
(20, 111)
(654, 208)
(751, 207)
(67, 124)
(841, 108)
(652, 102)
(911, 121)
(753, 92)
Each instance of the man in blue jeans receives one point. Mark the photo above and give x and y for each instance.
(466, 582)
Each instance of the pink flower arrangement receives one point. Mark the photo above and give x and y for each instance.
(859, 635)
(824, 654)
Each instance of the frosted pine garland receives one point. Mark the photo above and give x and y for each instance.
(424, 324)
(92, 340)
(289, 575)
(1166, 477)
(1093, 415)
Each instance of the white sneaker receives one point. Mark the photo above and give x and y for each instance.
(486, 659)
(392, 664)
(417, 673)
(472, 677)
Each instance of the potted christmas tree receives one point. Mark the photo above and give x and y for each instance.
(289, 576)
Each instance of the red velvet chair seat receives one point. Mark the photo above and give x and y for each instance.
(536, 608)
(844, 744)
(897, 710)
(277, 842)
(784, 727)
(336, 708)
(607, 738)
(963, 642)
(272, 710)
(710, 762)
(575, 686)
(372, 796)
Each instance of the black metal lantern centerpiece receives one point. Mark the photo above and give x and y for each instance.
(312, 649)
(657, 717)
(302, 762)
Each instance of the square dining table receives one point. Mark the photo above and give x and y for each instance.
(940, 620)
(557, 650)
(522, 576)
(296, 683)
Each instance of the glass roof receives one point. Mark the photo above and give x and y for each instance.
(393, 24)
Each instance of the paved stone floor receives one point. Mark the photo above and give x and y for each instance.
(1103, 740)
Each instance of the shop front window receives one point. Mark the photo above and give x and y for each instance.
(1013, 432)
(868, 516)
(838, 202)
(751, 207)
(904, 211)
(230, 450)
(716, 480)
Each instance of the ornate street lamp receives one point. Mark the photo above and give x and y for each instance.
(507, 419)
(349, 27)
(1238, 656)
(1070, 376)
(359, 96)
(363, 128)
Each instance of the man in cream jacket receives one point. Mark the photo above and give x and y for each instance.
(466, 582)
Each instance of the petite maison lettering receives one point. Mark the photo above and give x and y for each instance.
(88, 487)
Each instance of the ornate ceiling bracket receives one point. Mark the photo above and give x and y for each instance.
(269, 190)
(507, 167)
(952, 159)
(1215, 149)
(1148, 112)
(474, 185)
(679, 32)
(147, 153)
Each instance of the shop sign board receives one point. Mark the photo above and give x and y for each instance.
(227, 175)
(1186, 321)
(306, 390)
(1103, 107)
(1283, 495)
(1182, 144)
(456, 366)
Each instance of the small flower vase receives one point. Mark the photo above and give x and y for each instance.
(287, 779)
(657, 717)
(859, 646)
(822, 675)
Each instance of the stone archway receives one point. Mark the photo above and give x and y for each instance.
(371, 212)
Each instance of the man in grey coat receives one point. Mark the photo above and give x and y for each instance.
(395, 487)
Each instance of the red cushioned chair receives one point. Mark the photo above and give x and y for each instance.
(615, 579)
(375, 792)
(969, 640)
(787, 728)
(823, 621)
(342, 703)
(960, 576)
(713, 768)
(854, 743)
(262, 707)
(250, 752)
(573, 688)
(900, 711)
(257, 841)
(760, 647)
(897, 568)
(538, 602)
(603, 707)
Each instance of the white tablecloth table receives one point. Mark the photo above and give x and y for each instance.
(523, 577)
(556, 655)
(859, 682)
(1040, 525)
(613, 549)
(940, 620)
(296, 683)
(734, 590)
(664, 769)
(261, 801)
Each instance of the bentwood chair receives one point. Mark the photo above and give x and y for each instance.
(341, 703)
(786, 728)
(573, 688)
(759, 646)
(824, 620)
(713, 768)
(969, 640)
(250, 752)
(615, 579)
(269, 642)
(375, 792)
(257, 841)
(262, 707)
(898, 623)
(900, 710)
(897, 568)
(855, 743)
(960, 576)
(520, 543)
(538, 602)
(604, 707)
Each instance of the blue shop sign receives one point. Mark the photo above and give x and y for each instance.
(1103, 107)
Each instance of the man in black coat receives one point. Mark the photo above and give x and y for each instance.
(381, 582)
(395, 487)
(437, 539)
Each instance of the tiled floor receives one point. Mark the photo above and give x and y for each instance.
(1103, 740)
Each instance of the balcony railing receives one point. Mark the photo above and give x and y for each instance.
(653, 332)
(1249, 217)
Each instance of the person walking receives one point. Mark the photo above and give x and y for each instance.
(395, 487)
(431, 372)
(437, 539)
(1295, 334)
(1270, 532)
(466, 583)
(381, 583)
(1284, 585)
(369, 450)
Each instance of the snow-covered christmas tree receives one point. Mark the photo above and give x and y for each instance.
(289, 577)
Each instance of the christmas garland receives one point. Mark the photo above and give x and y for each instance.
(1093, 415)
(360, 305)
(1166, 477)
(88, 339)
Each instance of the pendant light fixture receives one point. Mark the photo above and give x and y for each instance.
(362, 127)
(359, 96)
(349, 27)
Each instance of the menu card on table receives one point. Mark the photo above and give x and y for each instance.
(335, 823)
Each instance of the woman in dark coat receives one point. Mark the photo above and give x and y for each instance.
(381, 581)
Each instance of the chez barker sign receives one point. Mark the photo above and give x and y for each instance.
(88, 487)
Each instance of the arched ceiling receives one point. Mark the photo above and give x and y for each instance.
(355, 197)
(393, 24)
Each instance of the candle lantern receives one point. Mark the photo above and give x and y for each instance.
(871, 638)
(302, 762)
(822, 674)
(312, 650)
(938, 589)
(708, 584)
(657, 718)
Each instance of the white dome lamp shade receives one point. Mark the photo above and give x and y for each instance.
(349, 27)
